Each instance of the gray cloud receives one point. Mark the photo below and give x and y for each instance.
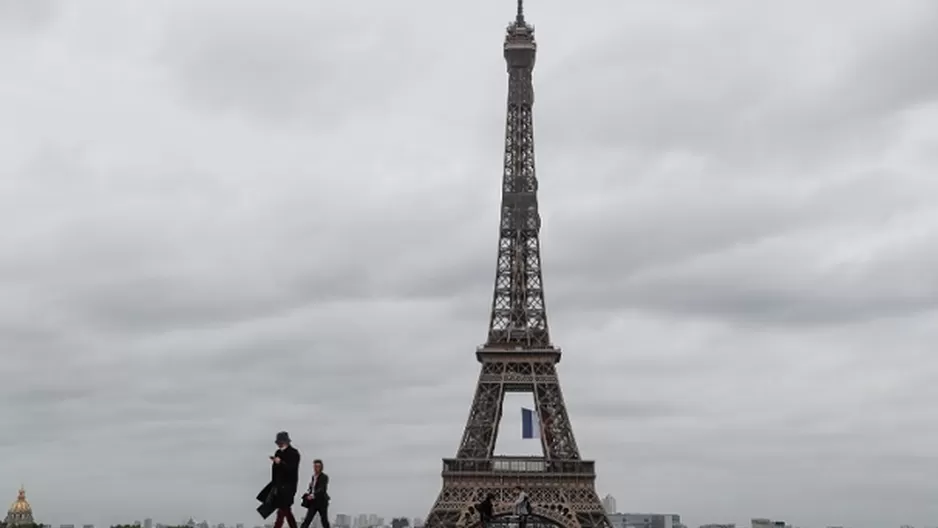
(26, 16)
(285, 63)
(222, 221)
(750, 88)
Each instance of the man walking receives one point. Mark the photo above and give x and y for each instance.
(316, 499)
(285, 478)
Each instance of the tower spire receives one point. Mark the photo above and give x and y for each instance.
(519, 318)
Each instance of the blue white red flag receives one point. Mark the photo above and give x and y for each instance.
(530, 424)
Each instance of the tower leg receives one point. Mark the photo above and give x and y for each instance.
(481, 432)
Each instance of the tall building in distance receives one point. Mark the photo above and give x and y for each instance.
(609, 504)
(20, 512)
(367, 520)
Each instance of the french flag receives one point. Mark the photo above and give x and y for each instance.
(530, 424)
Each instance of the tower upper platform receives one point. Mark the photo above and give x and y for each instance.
(520, 47)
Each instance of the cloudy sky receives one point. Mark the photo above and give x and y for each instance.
(225, 218)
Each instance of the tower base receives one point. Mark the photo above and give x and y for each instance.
(561, 495)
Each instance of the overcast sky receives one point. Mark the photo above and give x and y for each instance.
(225, 218)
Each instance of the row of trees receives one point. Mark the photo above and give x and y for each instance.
(400, 522)
(397, 522)
(40, 525)
(138, 526)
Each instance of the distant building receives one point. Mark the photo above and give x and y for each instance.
(768, 523)
(645, 520)
(148, 523)
(343, 521)
(728, 525)
(20, 512)
(609, 504)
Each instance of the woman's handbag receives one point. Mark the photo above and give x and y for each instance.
(307, 501)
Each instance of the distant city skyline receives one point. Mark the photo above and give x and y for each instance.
(365, 520)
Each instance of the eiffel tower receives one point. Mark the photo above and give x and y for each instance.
(518, 355)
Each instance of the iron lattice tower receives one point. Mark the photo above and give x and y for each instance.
(518, 355)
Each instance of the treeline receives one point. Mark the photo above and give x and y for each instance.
(31, 525)
(138, 526)
(400, 522)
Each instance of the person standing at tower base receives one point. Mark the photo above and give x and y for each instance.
(522, 507)
(486, 509)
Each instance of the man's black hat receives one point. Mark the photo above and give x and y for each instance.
(283, 437)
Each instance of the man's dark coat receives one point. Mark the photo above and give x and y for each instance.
(284, 480)
(285, 476)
